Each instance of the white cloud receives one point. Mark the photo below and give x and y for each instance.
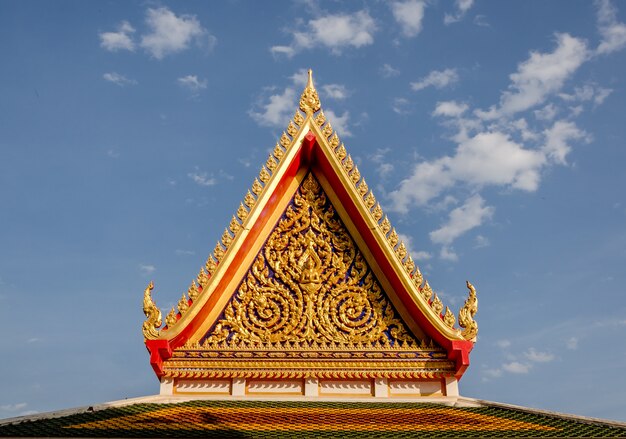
(147, 268)
(401, 106)
(387, 71)
(572, 343)
(335, 91)
(170, 33)
(334, 31)
(489, 158)
(613, 32)
(493, 373)
(556, 147)
(421, 256)
(409, 15)
(192, 82)
(339, 123)
(481, 242)
(277, 111)
(448, 254)
(586, 93)
(118, 79)
(437, 79)
(450, 109)
(181, 252)
(538, 357)
(503, 344)
(202, 178)
(517, 367)
(462, 219)
(546, 113)
(462, 6)
(120, 40)
(539, 76)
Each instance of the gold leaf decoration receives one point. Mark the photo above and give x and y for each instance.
(227, 239)
(377, 212)
(202, 280)
(363, 188)
(153, 321)
(279, 153)
(310, 101)
(298, 118)
(418, 279)
(183, 305)
(448, 318)
(393, 238)
(341, 152)
(292, 130)
(334, 141)
(327, 130)
(385, 226)
(401, 251)
(242, 213)
(348, 164)
(264, 176)
(370, 200)
(436, 304)
(234, 225)
(172, 318)
(310, 284)
(210, 265)
(355, 175)
(409, 264)
(320, 119)
(193, 289)
(285, 141)
(257, 187)
(249, 200)
(426, 291)
(466, 315)
(218, 252)
(271, 163)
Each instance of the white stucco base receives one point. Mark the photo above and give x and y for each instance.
(312, 387)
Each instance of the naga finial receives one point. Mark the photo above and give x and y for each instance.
(466, 315)
(310, 101)
(153, 322)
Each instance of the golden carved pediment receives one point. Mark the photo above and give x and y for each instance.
(310, 284)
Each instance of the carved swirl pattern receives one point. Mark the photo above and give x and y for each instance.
(309, 283)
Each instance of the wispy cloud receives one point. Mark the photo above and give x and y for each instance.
(167, 33)
(192, 83)
(409, 15)
(613, 32)
(147, 269)
(466, 217)
(118, 79)
(202, 178)
(462, 6)
(120, 40)
(387, 71)
(335, 91)
(336, 32)
(517, 367)
(538, 357)
(436, 79)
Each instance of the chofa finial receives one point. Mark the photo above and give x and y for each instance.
(310, 101)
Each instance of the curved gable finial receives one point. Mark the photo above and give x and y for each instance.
(310, 101)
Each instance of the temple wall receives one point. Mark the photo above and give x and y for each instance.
(312, 387)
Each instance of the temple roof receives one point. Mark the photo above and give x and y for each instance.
(404, 312)
(156, 417)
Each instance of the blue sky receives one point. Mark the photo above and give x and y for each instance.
(491, 131)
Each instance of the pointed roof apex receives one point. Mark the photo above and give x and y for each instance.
(310, 101)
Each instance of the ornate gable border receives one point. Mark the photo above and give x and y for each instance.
(309, 143)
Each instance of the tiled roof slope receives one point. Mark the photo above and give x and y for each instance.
(315, 419)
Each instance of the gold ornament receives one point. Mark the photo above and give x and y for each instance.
(309, 283)
(309, 101)
(153, 322)
(466, 314)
